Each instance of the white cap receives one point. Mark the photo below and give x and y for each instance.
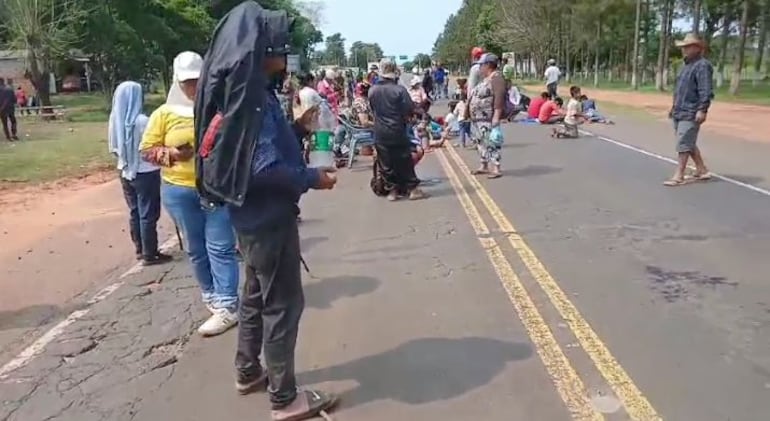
(187, 66)
(415, 81)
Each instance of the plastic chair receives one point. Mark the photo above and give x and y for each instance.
(356, 137)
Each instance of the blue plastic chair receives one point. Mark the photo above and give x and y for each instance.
(356, 137)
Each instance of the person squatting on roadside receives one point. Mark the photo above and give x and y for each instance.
(249, 158)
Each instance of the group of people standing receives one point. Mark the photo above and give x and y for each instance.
(225, 162)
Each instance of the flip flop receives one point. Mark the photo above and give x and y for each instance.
(703, 177)
(494, 176)
(673, 182)
(479, 172)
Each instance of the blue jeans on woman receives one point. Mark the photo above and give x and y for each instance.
(210, 244)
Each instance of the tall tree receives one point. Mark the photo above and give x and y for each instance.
(740, 53)
(45, 31)
(335, 50)
(637, 25)
(362, 53)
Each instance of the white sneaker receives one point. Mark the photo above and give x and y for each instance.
(219, 323)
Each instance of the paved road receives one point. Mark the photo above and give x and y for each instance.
(575, 287)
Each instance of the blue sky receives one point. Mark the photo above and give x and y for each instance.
(389, 23)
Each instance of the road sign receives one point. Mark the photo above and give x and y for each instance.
(292, 63)
(403, 57)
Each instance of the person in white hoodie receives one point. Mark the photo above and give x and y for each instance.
(139, 179)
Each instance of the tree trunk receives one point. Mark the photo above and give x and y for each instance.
(724, 38)
(735, 81)
(662, 47)
(669, 34)
(635, 57)
(696, 12)
(762, 38)
(646, 37)
(597, 50)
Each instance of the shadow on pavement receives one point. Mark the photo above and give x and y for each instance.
(308, 243)
(531, 171)
(32, 316)
(324, 293)
(423, 370)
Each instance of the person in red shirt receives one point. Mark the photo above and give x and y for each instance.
(21, 98)
(551, 112)
(534, 107)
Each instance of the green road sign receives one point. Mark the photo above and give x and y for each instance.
(403, 57)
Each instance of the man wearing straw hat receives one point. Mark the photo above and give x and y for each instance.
(692, 98)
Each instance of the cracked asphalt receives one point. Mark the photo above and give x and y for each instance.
(415, 310)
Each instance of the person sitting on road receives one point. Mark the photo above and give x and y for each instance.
(451, 124)
(533, 112)
(572, 118)
(515, 103)
(590, 112)
(551, 112)
(169, 141)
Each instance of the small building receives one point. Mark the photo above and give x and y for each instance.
(76, 75)
(13, 67)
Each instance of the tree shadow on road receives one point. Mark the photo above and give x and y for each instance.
(423, 370)
(324, 293)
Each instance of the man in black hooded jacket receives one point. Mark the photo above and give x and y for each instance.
(249, 158)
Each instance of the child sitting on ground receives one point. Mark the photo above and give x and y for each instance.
(423, 131)
(590, 112)
(450, 126)
(572, 118)
(551, 112)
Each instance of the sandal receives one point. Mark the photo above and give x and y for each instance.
(703, 177)
(308, 404)
(673, 182)
(494, 175)
(479, 172)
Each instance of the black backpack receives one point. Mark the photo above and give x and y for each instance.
(377, 183)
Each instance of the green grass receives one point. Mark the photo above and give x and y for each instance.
(88, 108)
(49, 151)
(750, 92)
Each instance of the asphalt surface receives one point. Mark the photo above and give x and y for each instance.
(574, 287)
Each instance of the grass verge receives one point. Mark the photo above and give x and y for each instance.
(49, 151)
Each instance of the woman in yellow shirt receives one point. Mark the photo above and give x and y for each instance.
(169, 141)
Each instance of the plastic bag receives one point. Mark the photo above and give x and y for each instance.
(496, 136)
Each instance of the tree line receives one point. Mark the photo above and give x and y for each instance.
(126, 39)
(628, 41)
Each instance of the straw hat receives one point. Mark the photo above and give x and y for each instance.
(690, 39)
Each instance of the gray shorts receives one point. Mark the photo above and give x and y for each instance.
(686, 135)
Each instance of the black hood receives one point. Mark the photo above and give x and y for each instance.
(233, 84)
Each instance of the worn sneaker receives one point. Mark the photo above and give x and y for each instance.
(308, 404)
(249, 384)
(219, 322)
(158, 259)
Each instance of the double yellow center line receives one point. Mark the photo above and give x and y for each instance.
(568, 384)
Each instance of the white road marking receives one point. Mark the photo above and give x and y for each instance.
(673, 161)
(37, 347)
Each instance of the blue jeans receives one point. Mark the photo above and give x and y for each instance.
(210, 244)
(142, 196)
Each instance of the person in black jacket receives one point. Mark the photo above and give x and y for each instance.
(8, 111)
(393, 109)
(249, 157)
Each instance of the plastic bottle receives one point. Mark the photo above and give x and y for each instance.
(322, 154)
